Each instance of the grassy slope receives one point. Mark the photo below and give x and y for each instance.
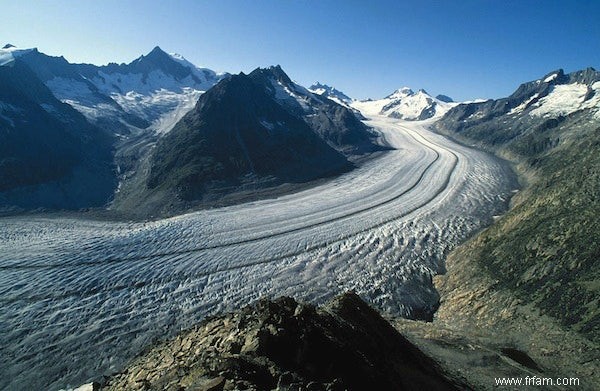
(545, 248)
(530, 281)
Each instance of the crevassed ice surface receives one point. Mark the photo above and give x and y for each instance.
(81, 297)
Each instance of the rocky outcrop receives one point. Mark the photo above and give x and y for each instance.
(285, 345)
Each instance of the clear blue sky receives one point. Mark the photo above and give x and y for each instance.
(462, 48)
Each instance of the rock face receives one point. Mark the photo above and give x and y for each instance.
(444, 98)
(248, 137)
(50, 156)
(284, 345)
(336, 124)
(238, 134)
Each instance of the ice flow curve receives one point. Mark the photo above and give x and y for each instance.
(95, 292)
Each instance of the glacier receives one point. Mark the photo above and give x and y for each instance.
(81, 296)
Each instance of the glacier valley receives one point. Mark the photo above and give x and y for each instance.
(82, 296)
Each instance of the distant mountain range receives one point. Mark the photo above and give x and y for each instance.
(143, 133)
(293, 136)
(408, 105)
(123, 97)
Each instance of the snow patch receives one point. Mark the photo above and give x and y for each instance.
(550, 78)
(524, 105)
(564, 99)
(184, 103)
(284, 93)
(207, 76)
(9, 53)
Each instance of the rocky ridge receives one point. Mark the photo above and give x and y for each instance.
(531, 277)
(284, 345)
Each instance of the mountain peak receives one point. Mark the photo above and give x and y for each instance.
(408, 105)
(157, 50)
(278, 71)
(329, 92)
(404, 91)
(9, 52)
(274, 72)
(157, 53)
(554, 75)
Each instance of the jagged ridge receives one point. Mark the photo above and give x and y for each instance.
(284, 345)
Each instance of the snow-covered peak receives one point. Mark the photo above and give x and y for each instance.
(400, 93)
(405, 104)
(331, 93)
(9, 52)
(183, 61)
(200, 72)
(152, 90)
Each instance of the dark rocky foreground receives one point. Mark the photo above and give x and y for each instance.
(285, 345)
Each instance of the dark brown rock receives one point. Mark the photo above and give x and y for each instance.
(283, 345)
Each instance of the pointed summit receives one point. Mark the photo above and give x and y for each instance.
(8, 46)
(157, 51)
(405, 104)
(276, 72)
(236, 130)
(158, 59)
